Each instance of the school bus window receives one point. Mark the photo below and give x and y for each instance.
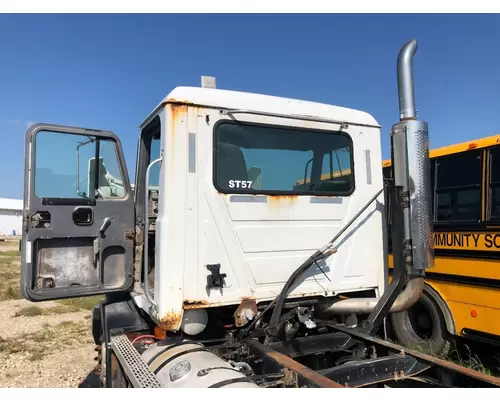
(458, 187)
(433, 181)
(495, 183)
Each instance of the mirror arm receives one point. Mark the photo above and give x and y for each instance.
(80, 144)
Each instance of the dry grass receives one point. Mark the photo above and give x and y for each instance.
(10, 253)
(478, 357)
(469, 360)
(466, 357)
(47, 344)
(78, 304)
(9, 275)
(34, 311)
(30, 311)
(81, 303)
(37, 345)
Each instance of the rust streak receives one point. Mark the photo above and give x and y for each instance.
(194, 304)
(160, 333)
(170, 321)
(175, 112)
(282, 199)
(172, 100)
(282, 202)
(285, 361)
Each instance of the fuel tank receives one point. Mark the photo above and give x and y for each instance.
(190, 364)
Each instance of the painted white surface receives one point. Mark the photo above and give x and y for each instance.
(229, 99)
(259, 245)
(10, 216)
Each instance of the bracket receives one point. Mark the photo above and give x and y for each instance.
(216, 280)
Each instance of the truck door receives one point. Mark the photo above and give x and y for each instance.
(78, 214)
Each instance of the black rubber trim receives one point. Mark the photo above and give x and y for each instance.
(106, 341)
(244, 379)
(232, 380)
(461, 279)
(206, 371)
(47, 201)
(165, 342)
(168, 348)
(182, 353)
(484, 337)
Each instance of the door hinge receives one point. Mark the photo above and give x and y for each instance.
(26, 218)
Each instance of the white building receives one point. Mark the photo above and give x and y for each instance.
(10, 217)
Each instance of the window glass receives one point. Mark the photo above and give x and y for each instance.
(433, 186)
(65, 167)
(274, 160)
(458, 187)
(154, 173)
(495, 182)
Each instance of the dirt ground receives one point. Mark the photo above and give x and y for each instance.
(45, 344)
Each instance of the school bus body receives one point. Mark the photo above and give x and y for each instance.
(465, 281)
(473, 307)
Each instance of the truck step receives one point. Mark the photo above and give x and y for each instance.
(134, 367)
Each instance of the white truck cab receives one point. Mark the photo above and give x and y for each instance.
(241, 189)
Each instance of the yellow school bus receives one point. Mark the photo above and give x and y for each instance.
(462, 292)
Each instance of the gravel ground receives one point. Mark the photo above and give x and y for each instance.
(45, 344)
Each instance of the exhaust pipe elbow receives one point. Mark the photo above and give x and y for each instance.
(407, 108)
(407, 298)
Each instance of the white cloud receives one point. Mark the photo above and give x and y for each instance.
(13, 121)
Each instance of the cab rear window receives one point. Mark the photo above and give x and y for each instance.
(282, 160)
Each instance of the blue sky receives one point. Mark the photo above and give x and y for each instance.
(109, 71)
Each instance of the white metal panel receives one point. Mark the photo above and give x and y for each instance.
(259, 243)
(229, 99)
(10, 216)
(10, 222)
(171, 222)
(11, 204)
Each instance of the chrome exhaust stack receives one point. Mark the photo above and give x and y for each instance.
(411, 171)
(411, 167)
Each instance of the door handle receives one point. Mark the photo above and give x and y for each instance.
(97, 247)
(105, 225)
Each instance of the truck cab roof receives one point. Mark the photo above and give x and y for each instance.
(229, 99)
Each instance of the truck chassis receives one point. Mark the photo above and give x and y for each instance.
(300, 362)
(336, 357)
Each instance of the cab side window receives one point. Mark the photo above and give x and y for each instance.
(66, 168)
